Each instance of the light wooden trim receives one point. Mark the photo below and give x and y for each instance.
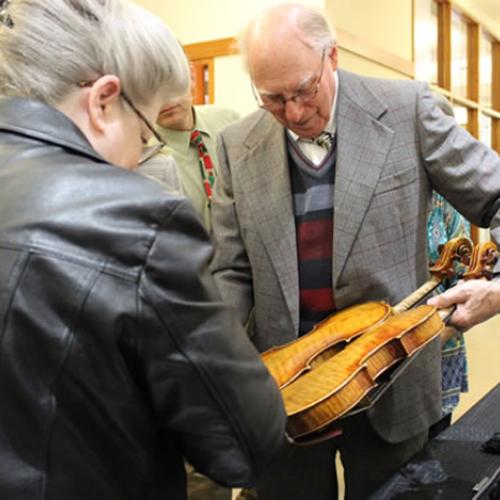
(359, 46)
(473, 122)
(445, 92)
(473, 34)
(473, 37)
(213, 48)
(200, 66)
(495, 79)
(211, 82)
(495, 135)
(462, 101)
(348, 41)
(491, 113)
(444, 44)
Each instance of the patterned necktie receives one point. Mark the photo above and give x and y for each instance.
(324, 140)
(206, 166)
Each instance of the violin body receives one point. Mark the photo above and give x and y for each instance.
(289, 361)
(329, 391)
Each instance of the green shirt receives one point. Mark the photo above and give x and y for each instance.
(209, 120)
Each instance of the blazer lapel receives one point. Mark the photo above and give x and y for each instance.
(268, 189)
(363, 143)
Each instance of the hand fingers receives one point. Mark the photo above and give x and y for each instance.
(444, 300)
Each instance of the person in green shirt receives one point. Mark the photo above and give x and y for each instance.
(176, 123)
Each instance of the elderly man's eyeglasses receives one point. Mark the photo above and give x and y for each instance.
(276, 102)
(149, 151)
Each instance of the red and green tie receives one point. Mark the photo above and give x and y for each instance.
(206, 166)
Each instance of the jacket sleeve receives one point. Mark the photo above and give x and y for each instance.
(230, 266)
(464, 170)
(209, 388)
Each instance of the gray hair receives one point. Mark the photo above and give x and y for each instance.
(312, 25)
(52, 45)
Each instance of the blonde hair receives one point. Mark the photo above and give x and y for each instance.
(54, 44)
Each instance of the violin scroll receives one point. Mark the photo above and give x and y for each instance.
(482, 262)
(458, 249)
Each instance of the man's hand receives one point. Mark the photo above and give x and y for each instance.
(476, 301)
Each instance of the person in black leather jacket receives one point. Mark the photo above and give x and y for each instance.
(117, 357)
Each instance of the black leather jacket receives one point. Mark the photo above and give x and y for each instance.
(117, 356)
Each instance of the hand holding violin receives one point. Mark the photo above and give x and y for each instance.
(476, 301)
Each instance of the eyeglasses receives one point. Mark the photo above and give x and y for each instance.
(276, 102)
(148, 151)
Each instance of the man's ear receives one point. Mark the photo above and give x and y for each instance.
(333, 57)
(102, 99)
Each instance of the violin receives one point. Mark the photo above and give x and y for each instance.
(288, 362)
(323, 395)
(320, 396)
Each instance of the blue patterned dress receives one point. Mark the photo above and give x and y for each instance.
(445, 223)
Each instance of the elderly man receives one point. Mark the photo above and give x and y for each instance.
(321, 203)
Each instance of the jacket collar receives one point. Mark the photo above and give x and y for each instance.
(38, 120)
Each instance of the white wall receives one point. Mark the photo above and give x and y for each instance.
(386, 24)
(232, 85)
(199, 21)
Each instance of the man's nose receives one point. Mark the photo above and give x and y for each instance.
(293, 111)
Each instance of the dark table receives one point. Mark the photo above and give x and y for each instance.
(452, 465)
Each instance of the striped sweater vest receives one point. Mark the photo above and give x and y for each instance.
(312, 188)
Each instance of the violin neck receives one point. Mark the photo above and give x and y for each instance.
(417, 296)
(446, 313)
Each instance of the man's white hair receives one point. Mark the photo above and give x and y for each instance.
(310, 25)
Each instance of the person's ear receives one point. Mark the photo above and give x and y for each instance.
(102, 99)
(333, 57)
